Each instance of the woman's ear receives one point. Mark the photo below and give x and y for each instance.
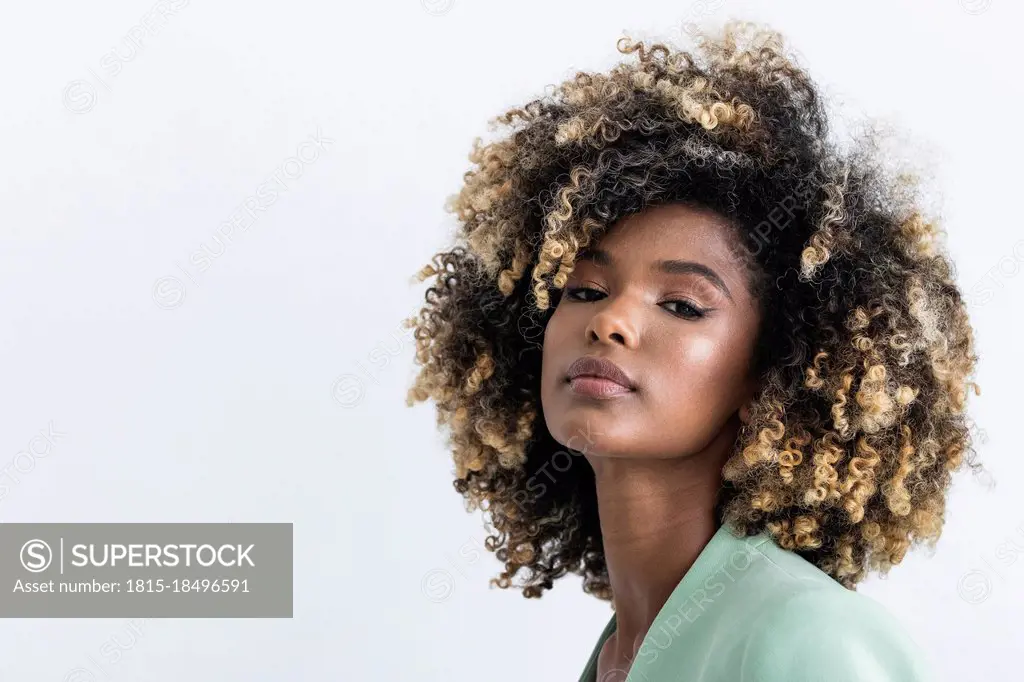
(744, 413)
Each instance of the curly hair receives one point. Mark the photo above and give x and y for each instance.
(865, 348)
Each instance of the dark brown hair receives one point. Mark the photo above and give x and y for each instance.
(866, 348)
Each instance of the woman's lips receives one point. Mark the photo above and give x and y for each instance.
(598, 377)
(597, 387)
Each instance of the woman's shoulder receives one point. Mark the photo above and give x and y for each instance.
(802, 625)
(824, 632)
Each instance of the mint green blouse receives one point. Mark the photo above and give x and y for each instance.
(749, 611)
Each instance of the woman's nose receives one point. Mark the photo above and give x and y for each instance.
(613, 324)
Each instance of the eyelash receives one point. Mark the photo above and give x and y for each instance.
(696, 313)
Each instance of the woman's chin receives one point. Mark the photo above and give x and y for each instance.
(585, 434)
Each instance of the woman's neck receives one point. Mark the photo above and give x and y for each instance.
(656, 517)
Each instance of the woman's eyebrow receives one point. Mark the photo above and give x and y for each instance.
(687, 267)
(671, 267)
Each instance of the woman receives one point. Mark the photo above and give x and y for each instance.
(692, 351)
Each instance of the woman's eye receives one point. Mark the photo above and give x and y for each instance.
(686, 309)
(580, 293)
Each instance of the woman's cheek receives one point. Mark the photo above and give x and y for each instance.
(701, 350)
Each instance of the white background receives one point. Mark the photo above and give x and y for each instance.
(223, 407)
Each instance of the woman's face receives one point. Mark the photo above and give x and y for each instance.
(662, 297)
